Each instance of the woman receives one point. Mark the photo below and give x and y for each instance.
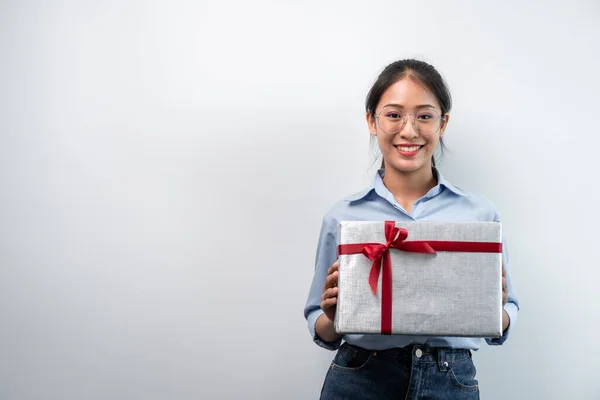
(407, 112)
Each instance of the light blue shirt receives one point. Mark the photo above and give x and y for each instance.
(444, 202)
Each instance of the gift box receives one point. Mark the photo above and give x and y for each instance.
(420, 278)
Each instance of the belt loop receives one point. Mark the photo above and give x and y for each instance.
(441, 359)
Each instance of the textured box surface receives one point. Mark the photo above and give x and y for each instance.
(450, 293)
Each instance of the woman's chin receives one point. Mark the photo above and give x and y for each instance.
(406, 166)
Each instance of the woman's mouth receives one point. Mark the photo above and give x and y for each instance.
(408, 151)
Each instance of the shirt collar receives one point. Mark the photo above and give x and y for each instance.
(444, 183)
(378, 187)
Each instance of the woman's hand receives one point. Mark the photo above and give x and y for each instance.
(330, 292)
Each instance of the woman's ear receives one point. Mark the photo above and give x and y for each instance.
(371, 124)
(444, 125)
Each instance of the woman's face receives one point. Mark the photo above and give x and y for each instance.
(407, 150)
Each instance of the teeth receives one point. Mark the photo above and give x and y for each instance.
(414, 148)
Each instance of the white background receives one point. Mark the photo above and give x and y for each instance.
(164, 168)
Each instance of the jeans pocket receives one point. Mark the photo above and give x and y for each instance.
(463, 374)
(350, 358)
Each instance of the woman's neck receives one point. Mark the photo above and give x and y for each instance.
(408, 187)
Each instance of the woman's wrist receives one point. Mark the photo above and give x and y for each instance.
(326, 329)
(505, 321)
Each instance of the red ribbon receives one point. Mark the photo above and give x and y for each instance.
(395, 237)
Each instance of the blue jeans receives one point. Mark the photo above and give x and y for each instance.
(411, 373)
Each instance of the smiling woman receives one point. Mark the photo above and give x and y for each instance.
(429, 80)
(408, 89)
(407, 112)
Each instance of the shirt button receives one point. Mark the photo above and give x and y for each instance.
(418, 353)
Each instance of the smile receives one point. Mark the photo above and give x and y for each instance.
(408, 149)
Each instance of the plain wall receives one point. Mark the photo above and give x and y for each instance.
(164, 168)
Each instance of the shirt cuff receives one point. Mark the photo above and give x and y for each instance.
(512, 311)
(312, 321)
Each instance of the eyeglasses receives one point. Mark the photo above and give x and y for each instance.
(426, 122)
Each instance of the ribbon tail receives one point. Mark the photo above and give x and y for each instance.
(416, 247)
(374, 275)
(428, 249)
(386, 295)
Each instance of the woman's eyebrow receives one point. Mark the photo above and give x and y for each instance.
(401, 106)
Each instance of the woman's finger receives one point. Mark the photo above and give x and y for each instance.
(331, 280)
(328, 303)
(334, 267)
(330, 293)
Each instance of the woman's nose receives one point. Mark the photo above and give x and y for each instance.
(408, 130)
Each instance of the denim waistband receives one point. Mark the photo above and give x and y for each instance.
(424, 353)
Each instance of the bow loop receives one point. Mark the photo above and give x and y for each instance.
(396, 236)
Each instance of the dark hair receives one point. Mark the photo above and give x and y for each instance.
(421, 72)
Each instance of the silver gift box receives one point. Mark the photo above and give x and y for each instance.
(443, 294)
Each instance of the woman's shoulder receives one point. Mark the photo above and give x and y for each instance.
(348, 207)
(468, 202)
(480, 203)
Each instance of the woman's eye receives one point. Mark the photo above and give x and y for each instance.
(394, 115)
(425, 116)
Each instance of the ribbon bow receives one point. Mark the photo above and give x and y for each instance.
(379, 253)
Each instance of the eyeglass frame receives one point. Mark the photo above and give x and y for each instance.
(442, 118)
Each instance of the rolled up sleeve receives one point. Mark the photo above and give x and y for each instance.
(325, 256)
